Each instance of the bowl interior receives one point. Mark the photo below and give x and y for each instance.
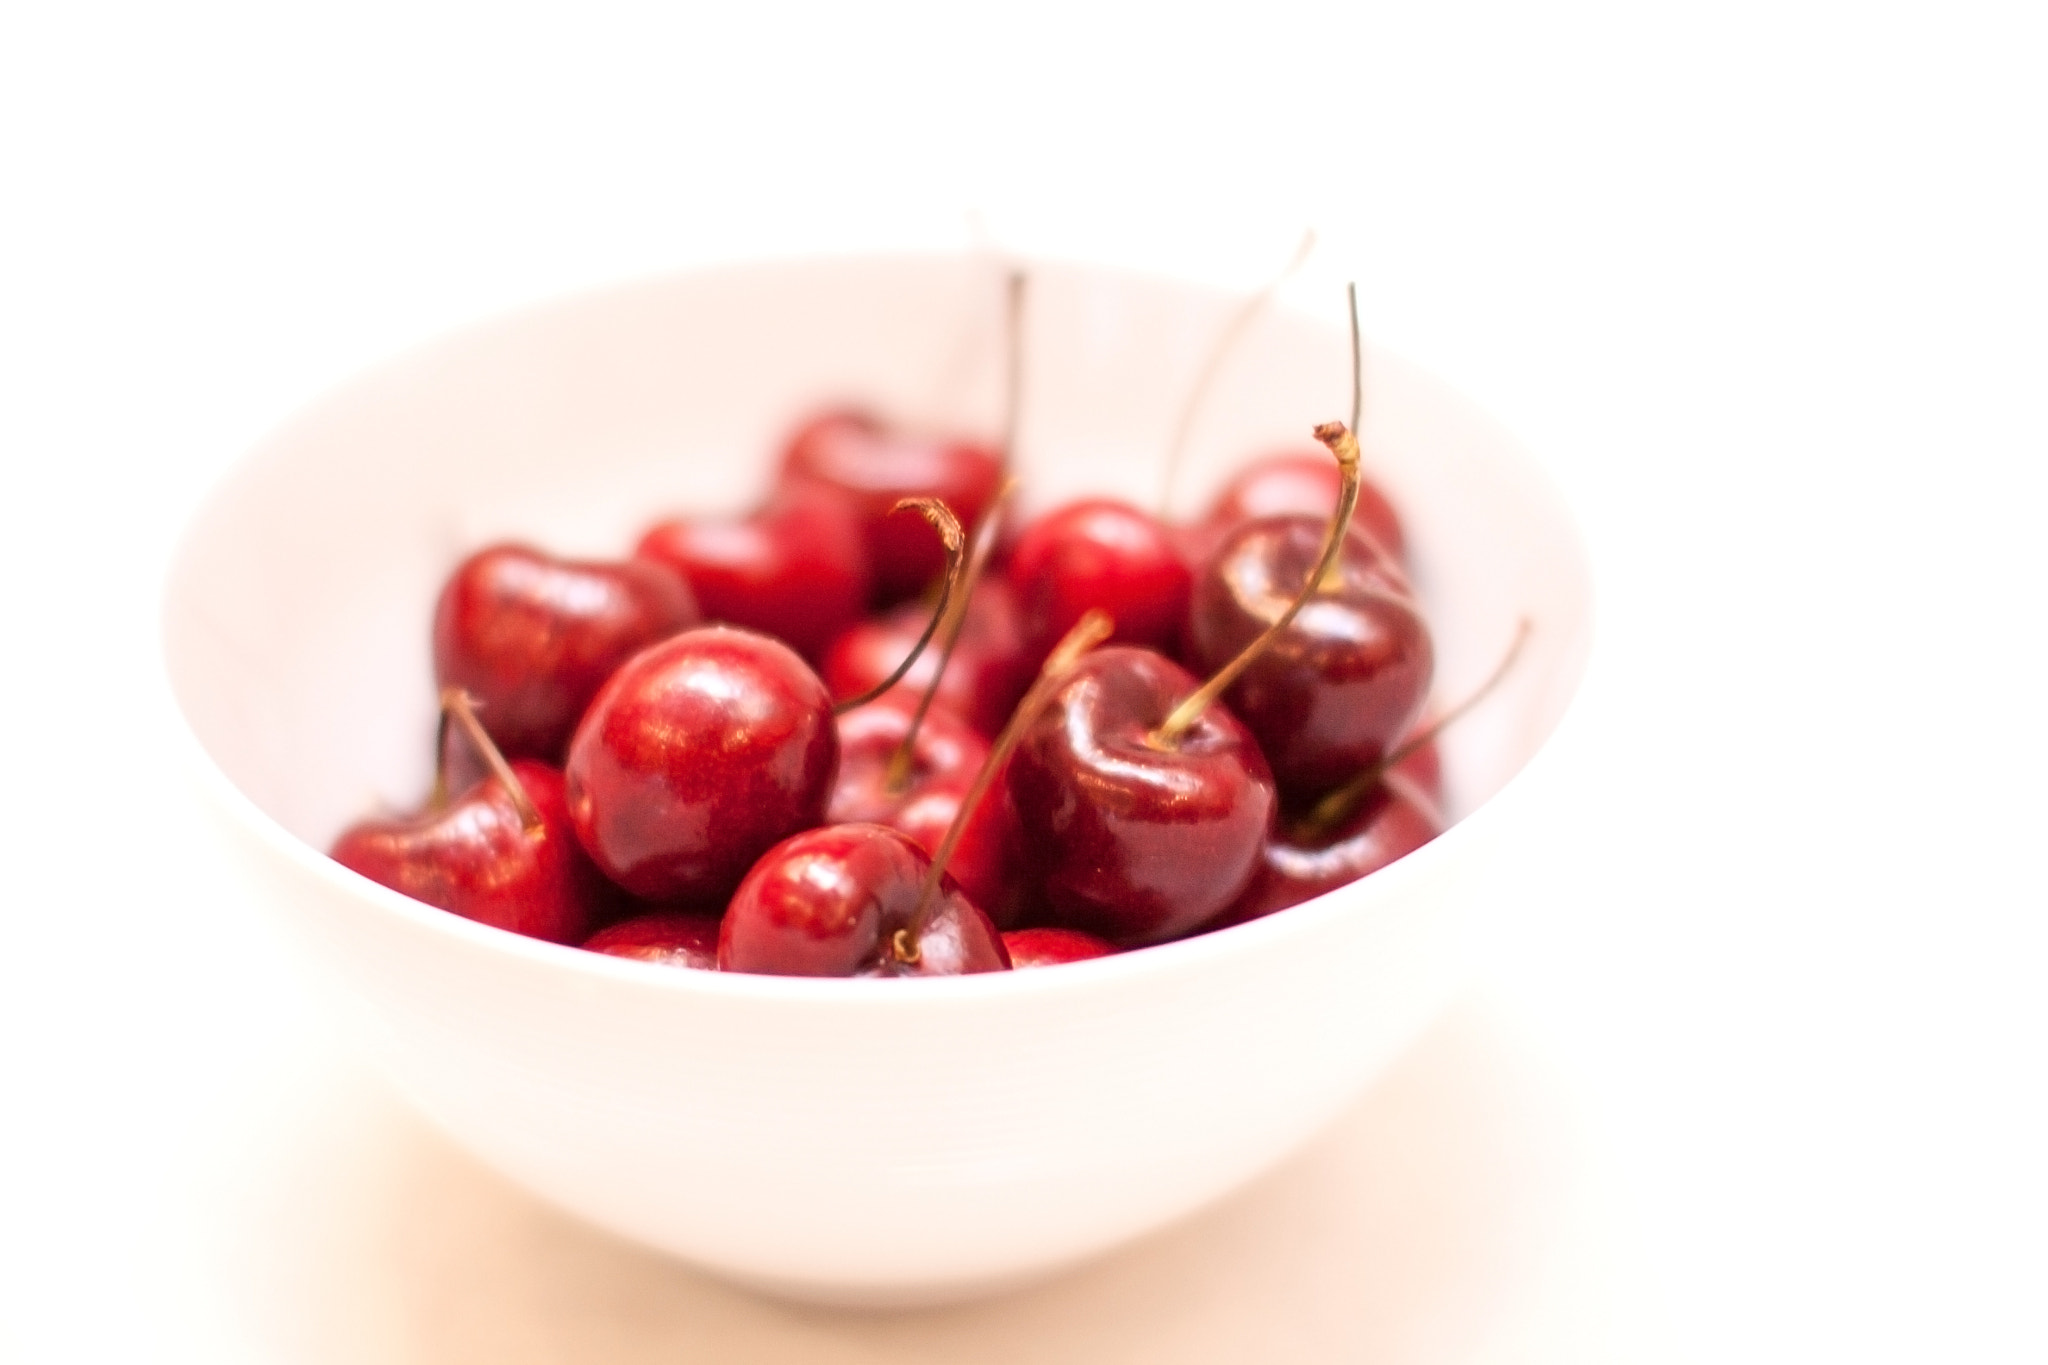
(298, 608)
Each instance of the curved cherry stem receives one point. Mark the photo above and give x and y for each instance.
(948, 526)
(457, 704)
(1339, 805)
(980, 545)
(1344, 446)
(1212, 364)
(1092, 629)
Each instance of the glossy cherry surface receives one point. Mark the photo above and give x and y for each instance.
(1392, 822)
(988, 672)
(829, 902)
(796, 570)
(1131, 840)
(479, 857)
(1106, 554)
(699, 754)
(1304, 484)
(1048, 947)
(678, 939)
(875, 466)
(532, 637)
(945, 757)
(1344, 681)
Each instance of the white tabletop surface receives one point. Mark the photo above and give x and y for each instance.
(1763, 283)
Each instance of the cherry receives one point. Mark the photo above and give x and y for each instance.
(924, 798)
(1047, 947)
(531, 638)
(845, 901)
(1391, 822)
(1135, 839)
(797, 569)
(1303, 484)
(677, 939)
(1347, 677)
(874, 468)
(1100, 553)
(502, 853)
(699, 754)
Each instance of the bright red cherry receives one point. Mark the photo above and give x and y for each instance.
(1344, 681)
(696, 756)
(988, 672)
(840, 901)
(1104, 554)
(532, 638)
(1393, 821)
(502, 853)
(877, 467)
(1305, 484)
(1136, 839)
(797, 569)
(679, 939)
(1044, 947)
(924, 798)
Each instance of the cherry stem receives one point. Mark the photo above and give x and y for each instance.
(1013, 377)
(1339, 805)
(456, 703)
(1212, 364)
(980, 545)
(1344, 446)
(1092, 629)
(948, 526)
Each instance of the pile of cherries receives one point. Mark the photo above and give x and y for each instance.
(710, 753)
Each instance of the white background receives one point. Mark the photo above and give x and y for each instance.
(1763, 285)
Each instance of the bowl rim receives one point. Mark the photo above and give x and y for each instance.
(1375, 893)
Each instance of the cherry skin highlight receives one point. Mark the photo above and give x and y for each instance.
(1043, 947)
(1393, 821)
(796, 570)
(1345, 680)
(699, 754)
(532, 637)
(678, 939)
(875, 467)
(829, 902)
(945, 757)
(479, 858)
(1134, 841)
(988, 672)
(1105, 554)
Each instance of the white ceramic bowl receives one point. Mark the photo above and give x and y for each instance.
(855, 1141)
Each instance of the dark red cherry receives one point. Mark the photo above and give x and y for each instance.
(797, 569)
(1305, 484)
(988, 672)
(1344, 681)
(1103, 554)
(679, 939)
(1393, 821)
(532, 638)
(1044, 947)
(699, 754)
(1132, 839)
(876, 467)
(485, 858)
(1423, 767)
(834, 902)
(944, 759)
